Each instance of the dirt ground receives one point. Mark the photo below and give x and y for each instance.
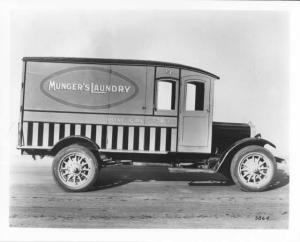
(143, 197)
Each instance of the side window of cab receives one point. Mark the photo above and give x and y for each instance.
(194, 96)
(166, 100)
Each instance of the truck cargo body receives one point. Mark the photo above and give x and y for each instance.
(120, 105)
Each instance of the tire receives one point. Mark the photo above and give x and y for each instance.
(75, 168)
(253, 168)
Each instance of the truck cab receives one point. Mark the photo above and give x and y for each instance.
(90, 113)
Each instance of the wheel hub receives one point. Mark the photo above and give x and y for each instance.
(74, 168)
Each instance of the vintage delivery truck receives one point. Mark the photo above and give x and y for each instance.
(91, 113)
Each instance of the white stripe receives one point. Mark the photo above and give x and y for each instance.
(152, 139)
(141, 138)
(120, 138)
(173, 139)
(56, 133)
(77, 129)
(163, 136)
(35, 130)
(88, 131)
(109, 137)
(130, 138)
(46, 134)
(67, 130)
(25, 130)
(98, 134)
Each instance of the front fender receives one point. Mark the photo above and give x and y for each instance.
(239, 145)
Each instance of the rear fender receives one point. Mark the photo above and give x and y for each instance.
(75, 139)
(229, 153)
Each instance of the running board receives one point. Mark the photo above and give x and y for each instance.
(190, 170)
(110, 162)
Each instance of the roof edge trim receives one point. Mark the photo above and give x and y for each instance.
(116, 61)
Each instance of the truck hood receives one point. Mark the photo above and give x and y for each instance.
(225, 134)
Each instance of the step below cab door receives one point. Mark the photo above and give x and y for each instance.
(195, 113)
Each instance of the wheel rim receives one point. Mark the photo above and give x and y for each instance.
(255, 169)
(75, 169)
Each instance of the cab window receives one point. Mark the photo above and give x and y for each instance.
(166, 101)
(166, 95)
(194, 96)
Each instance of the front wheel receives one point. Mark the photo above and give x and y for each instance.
(253, 168)
(75, 168)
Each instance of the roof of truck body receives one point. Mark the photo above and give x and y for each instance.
(116, 61)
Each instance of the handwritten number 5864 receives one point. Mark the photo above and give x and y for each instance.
(262, 218)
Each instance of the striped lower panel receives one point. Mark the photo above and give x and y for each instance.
(108, 137)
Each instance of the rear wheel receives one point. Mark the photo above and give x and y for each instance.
(253, 168)
(75, 168)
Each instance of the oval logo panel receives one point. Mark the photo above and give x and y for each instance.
(89, 87)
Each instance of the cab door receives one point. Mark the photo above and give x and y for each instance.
(195, 113)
